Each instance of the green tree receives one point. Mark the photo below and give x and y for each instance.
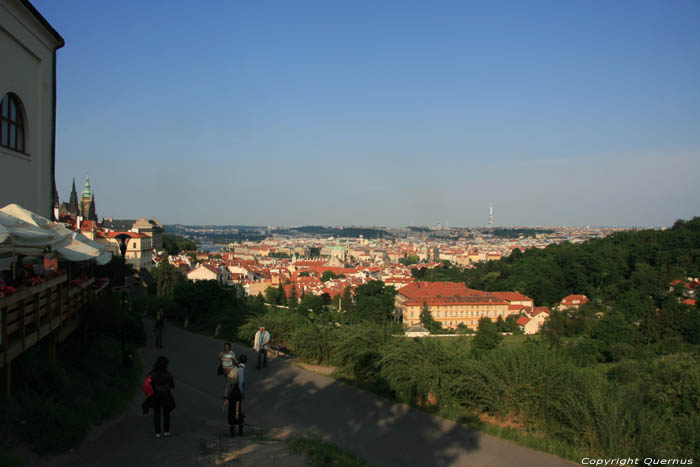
(487, 336)
(313, 306)
(583, 320)
(174, 244)
(330, 275)
(554, 327)
(279, 254)
(272, 295)
(501, 324)
(292, 302)
(408, 260)
(613, 328)
(373, 302)
(167, 279)
(427, 320)
(346, 304)
(256, 305)
(512, 325)
(196, 297)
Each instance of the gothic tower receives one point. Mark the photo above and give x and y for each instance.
(87, 202)
(73, 207)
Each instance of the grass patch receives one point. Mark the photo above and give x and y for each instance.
(514, 340)
(523, 437)
(322, 453)
(85, 386)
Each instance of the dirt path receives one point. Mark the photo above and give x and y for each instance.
(283, 401)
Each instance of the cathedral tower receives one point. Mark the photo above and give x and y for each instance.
(73, 207)
(87, 202)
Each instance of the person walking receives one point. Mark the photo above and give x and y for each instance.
(233, 399)
(158, 328)
(163, 400)
(260, 344)
(228, 361)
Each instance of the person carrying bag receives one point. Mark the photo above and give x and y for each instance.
(163, 400)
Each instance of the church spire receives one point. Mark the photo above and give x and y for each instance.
(73, 206)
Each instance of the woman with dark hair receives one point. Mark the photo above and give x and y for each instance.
(163, 400)
(233, 398)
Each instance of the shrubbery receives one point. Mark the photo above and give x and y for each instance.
(644, 407)
(619, 376)
(85, 385)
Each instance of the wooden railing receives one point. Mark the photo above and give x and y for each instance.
(33, 313)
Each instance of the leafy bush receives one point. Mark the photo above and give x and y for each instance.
(311, 341)
(279, 322)
(417, 369)
(588, 351)
(487, 336)
(358, 349)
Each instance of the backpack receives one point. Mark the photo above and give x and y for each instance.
(233, 375)
(148, 386)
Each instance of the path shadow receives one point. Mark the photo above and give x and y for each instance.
(384, 432)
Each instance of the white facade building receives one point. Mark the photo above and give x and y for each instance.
(28, 47)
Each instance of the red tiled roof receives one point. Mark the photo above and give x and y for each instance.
(523, 320)
(87, 225)
(569, 299)
(512, 296)
(130, 234)
(446, 293)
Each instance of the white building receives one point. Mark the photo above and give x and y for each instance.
(28, 46)
(203, 272)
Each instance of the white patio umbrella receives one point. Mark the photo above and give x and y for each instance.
(27, 233)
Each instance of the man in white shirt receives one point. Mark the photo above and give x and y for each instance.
(260, 344)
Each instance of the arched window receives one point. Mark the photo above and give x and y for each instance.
(11, 123)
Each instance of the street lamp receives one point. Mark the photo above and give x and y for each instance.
(123, 237)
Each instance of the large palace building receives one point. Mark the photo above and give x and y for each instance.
(452, 304)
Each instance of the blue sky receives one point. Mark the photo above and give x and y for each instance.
(381, 113)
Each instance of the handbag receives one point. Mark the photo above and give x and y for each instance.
(147, 386)
(220, 369)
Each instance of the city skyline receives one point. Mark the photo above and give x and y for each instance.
(391, 115)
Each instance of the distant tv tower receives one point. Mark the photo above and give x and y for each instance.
(491, 217)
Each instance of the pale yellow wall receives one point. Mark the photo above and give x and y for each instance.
(255, 288)
(138, 252)
(450, 316)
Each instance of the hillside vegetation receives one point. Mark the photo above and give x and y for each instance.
(620, 377)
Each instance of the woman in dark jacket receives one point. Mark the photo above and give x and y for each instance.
(163, 401)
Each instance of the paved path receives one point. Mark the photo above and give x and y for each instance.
(289, 400)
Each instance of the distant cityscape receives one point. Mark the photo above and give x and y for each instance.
(333, 261)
